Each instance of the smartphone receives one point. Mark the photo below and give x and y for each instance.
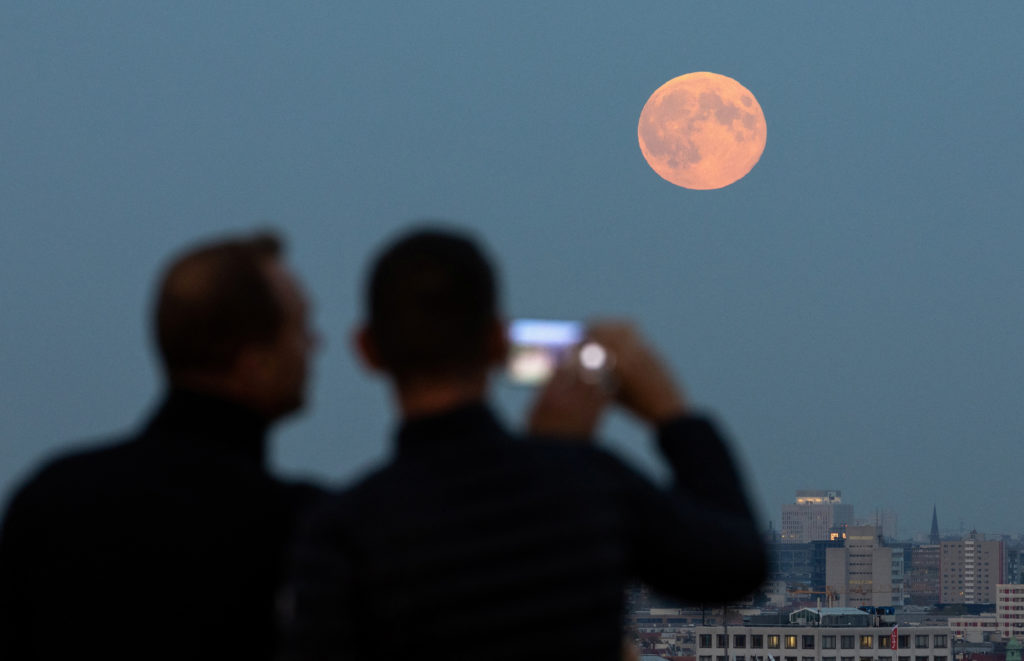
(537, 346)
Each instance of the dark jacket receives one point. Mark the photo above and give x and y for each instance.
(473, 544)
(165, 545)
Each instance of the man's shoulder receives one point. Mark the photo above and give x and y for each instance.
(86, 460)
(59, 480)
(396, 484)
(572, 455)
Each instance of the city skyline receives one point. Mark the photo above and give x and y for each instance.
(849, 310)
(885, 517)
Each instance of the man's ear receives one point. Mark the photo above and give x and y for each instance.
(497, 343)
(366, 349)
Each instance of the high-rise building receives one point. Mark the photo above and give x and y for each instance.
(1014, 572)
(971, 568)
(800, 568)
(814, 516)
(898, 576)
(861, 572)
(923, 574)
(791, 563)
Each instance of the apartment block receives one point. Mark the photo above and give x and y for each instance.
(970, 569)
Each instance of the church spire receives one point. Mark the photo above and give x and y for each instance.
(934, 537)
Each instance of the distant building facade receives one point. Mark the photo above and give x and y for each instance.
(814, 516)
(974, 628)
(801, 571)
(971, 568)
(824, 634)
(1014, 565)
(792, 563)
(898, 576)
(861, 572)
(1010, 609)
(923, 575)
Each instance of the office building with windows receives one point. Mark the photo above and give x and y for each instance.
(922, 576)
(861, 573)
(814, 516)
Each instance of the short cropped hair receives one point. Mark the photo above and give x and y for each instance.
(214, 300)
(431, 302)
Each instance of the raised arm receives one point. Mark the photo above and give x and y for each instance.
(696, 540)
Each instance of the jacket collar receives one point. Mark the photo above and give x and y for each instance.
(210, 423)
(473, 423)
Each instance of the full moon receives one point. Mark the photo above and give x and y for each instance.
(702, 131)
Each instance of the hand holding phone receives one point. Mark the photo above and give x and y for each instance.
(568, 407)
(645, 386)
(537, 347)
(609, 354)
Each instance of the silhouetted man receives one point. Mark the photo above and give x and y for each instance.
(168, 544)
(474, 544)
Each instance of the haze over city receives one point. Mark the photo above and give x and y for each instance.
(851, 309)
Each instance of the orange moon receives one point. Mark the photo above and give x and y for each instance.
(702, 131)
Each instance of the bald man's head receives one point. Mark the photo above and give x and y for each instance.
(215, 300)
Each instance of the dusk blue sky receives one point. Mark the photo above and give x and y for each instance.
(851, 310)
